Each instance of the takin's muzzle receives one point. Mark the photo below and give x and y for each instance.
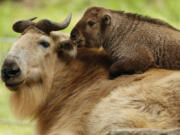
(11, 72)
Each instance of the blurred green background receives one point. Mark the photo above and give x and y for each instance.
(57, 10)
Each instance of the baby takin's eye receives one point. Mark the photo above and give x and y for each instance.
(91, 23)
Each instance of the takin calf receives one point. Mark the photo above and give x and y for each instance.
(134, 42)
(68, 95)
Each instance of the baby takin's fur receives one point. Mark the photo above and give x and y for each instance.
(134, 42)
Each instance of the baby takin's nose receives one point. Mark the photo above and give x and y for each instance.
(74, 34)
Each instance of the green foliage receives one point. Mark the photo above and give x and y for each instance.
(6, 129)
(57, 10)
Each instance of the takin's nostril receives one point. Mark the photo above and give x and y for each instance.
(13, 72)
(3, 74)
(10, 72)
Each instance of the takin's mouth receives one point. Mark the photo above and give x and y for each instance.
(13, 86)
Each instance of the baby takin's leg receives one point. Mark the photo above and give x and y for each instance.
(136, 60)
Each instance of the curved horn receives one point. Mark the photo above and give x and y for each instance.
(47, 26)
(21, 25)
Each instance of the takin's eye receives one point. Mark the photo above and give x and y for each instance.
(91, 23)
(44, 44)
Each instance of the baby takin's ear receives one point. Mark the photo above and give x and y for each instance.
(106, 19)
(68, 48)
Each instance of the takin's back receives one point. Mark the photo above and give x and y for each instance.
(150, 101)
(162, 40)
(134, 31)
(87, 102)
(144, 40)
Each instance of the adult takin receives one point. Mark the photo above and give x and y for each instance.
(67, 90)
(134, 42)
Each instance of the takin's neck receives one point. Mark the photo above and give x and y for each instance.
(89, 64)
(77, 85)
(25, 103)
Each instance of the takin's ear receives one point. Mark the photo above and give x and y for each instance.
(68, 48)
(59, 36)
(106, 19)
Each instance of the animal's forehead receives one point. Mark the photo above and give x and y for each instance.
(93, 11)
(31, 37)
(44, 38)
(28, 37)
(34, 30)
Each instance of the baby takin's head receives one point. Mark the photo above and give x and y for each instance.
(91, 27)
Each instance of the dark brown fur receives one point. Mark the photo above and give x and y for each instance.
(134, 42)
(145, 18)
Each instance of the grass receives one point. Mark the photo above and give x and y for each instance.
(57, 10)
(6, 129)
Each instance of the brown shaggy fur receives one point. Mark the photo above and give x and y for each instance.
(83, 83)
(145, 18)
(75, 96)
(134, 42)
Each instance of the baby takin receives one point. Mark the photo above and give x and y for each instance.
(134, 42)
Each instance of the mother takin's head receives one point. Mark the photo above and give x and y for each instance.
(31, 56)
